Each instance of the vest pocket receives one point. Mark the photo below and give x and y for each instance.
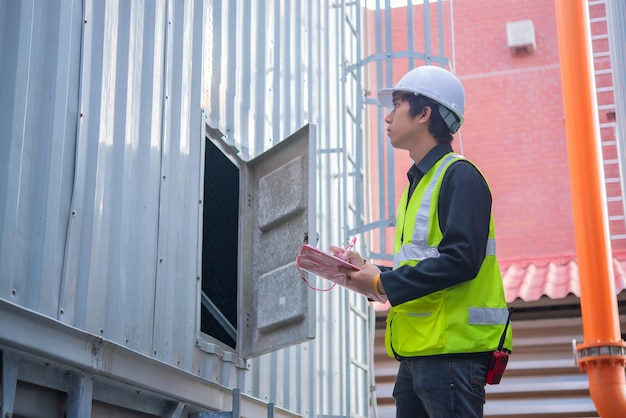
(419, 326)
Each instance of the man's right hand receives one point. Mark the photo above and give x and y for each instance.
(352, 257)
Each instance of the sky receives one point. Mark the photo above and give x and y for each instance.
(371, 4)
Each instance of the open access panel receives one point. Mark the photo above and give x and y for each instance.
(256, 216)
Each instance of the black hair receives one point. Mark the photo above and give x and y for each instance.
(436, 126)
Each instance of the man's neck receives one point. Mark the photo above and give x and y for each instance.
(422, 147)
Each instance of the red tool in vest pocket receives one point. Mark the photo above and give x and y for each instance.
(499, 359)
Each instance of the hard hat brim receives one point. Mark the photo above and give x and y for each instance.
(385, 96)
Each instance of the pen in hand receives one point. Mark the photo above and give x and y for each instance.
(348, 247)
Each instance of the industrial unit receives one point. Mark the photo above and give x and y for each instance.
(165, 160)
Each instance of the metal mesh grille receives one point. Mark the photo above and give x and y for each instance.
(219, 246)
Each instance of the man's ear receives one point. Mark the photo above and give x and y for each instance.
(425, 115)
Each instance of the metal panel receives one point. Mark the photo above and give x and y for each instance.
(108, 277)
(258, 71)
(97, 122)
(137, 145)
(294, 75)
(276, 310)
(40, 49)
(176, 298)
(100, 143)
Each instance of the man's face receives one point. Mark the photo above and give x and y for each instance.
(402, 129)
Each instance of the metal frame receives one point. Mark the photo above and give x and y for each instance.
(42, 351)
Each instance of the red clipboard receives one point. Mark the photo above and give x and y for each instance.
(323, 264)
(326, 265)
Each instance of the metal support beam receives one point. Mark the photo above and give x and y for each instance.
(79, 394)
(37, 336)
(10, 369)
(219, 316)
(175, 410)
(235, 413)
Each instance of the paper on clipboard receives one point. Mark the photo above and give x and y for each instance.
(327, 266)
(323, 264)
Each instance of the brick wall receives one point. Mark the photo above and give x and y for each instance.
(514, 124)
(514, 127)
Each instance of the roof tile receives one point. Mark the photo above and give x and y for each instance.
(556, 278)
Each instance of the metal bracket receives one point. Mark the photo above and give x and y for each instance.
(588, 354)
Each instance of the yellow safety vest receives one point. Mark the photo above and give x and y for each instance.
(466, 318)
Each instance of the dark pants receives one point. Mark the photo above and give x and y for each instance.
(441, 387)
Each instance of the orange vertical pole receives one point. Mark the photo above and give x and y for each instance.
(602, 355)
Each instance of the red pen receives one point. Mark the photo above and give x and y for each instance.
(350, 245)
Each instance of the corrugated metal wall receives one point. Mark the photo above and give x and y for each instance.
(101, 138)
(259, 70)
(100, 143)
(39, 100)
(272, 67)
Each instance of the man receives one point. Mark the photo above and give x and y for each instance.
(448, 311)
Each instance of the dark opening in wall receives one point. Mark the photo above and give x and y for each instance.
(220, 246)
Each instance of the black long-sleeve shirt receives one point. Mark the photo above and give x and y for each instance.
(464, 214)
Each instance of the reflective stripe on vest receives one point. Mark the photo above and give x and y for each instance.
(420, 252)
(479, 316)
(487, 316)
(419, 249)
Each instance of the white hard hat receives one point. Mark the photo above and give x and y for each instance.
(437, 84)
